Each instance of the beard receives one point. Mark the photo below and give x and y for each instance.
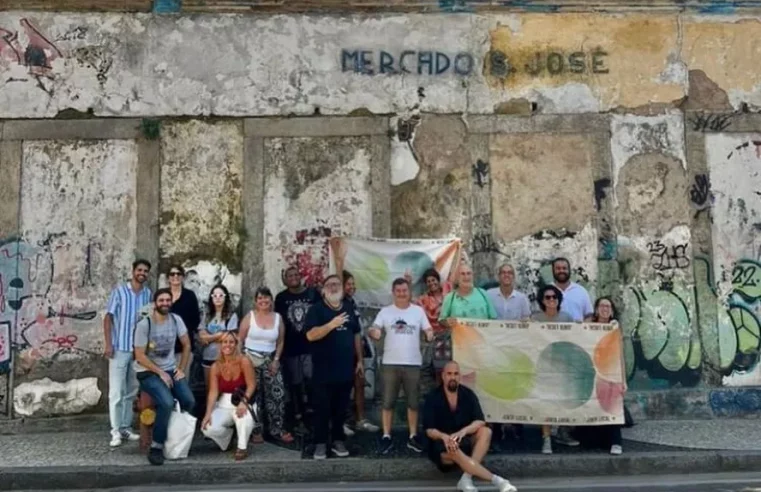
(163, 310)
(562, 277)
(334, 298)
(452, 386)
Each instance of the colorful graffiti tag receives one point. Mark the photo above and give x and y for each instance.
(32, 322)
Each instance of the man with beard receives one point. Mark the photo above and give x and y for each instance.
(157, 370)
(122, 314)
(292, 304)
(332, 329)
(457, 434)
(576, 300)
(577, 304)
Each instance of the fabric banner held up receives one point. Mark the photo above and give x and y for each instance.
(375, 263)
(543, 373)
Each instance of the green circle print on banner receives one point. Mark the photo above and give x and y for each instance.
(370, 270)
(565, 375)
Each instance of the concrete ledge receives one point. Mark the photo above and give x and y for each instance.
(323, 126)
(37, 425)
(554, 123)
(358, 470)
(90, 129)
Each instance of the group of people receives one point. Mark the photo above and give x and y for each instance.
(307, 346)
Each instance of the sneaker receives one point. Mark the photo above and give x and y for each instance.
(156, 456)
(339, 449)
(368, 426)
(348, 431)
(616, 449)
(564, 438)
(547, 446)
(387, 444)
(320, 452)
(505, 486)
(129, 435)
(466, 485)
(116, 439)
(414, 444)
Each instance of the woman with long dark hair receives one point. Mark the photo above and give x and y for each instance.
(184, 305)
(262, 334)
(219, 320)
(606, 435)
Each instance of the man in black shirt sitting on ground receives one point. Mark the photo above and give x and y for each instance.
(458, 436)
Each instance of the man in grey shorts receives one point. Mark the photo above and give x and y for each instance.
(401, 323)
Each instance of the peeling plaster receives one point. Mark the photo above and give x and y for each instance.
(632, 135)
(335, 197)
(165, 66)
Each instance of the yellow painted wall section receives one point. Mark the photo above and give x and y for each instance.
(728, 52)
(623, 59)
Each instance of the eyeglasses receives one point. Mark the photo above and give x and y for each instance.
(218, 296)
(175, 274)
(550, 298)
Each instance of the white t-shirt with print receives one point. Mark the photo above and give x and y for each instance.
(402, 327)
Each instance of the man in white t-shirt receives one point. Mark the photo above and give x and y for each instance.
(402, 323)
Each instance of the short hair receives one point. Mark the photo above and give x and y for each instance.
(346, 274)
(399, 281)
(263, 292)
(542, 290)
(159, 292)
(559, 259)
(141, 261)
(508, 265)
(178, 268)
(431, 272)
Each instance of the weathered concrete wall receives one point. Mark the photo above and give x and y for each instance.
(137, 65)
(625, 142)
(77, 240)
(201, 216)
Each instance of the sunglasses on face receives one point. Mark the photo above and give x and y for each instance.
(550, 298)
(175, 274)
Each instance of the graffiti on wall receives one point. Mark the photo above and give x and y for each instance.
(37, 323)
(36, 52)
(309, 252)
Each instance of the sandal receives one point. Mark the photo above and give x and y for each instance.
(257, 439)
(241, 454)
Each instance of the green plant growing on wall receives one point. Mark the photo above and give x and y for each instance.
(150, 128)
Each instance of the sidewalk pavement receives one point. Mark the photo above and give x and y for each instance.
(74, 454)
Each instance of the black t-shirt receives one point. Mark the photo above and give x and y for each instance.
(293, 310)
(333, 355)
(187, 308)
(437, 414)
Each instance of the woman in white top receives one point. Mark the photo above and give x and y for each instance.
(263, 333)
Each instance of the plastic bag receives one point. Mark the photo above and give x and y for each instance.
(182, 427)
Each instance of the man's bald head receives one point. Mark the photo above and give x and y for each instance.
(450, 376)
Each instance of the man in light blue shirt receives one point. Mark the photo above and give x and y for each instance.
(510, 304)
(122, 314)
(576, 300)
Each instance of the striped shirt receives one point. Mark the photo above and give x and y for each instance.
(124, 305)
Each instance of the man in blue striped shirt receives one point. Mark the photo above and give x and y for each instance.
(122, 314)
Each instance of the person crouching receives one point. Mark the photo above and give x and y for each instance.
(231, 386)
